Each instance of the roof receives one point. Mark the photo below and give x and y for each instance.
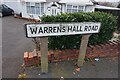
(107, 0)
(76, 2)
(105, 7)
(35, 0)
(87, 2)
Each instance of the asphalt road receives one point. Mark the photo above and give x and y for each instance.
(14, 43)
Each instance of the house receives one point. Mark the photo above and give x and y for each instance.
(38, 8)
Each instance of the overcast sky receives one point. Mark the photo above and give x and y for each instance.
(108, 0)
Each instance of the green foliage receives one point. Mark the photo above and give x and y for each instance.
(108, 26)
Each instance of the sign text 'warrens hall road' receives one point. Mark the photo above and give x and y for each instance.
(40, 30)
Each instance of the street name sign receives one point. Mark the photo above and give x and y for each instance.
(56, 29)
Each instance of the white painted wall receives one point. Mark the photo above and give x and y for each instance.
(35, 16)
(14, 4)
(20, 6)
(1, 1)
(24, 10)
(45, 9)
(89, 8)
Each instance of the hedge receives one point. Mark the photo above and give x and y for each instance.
(108, 26)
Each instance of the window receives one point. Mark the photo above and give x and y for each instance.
(35, 8)
(74, 8)
(80, 8)
(28, 7)
(54, 11)
(42, 8)
(69, 8)
(37, 5)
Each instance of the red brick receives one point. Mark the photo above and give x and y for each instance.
(102, 50)
(39, 54)
(25, 55)
(34, 53)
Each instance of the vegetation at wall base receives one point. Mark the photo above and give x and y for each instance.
(108, 26)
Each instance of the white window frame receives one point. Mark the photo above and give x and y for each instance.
(68, 8)
(54, 11)
(82, 10)
(42, 13)
(28, 7)
(38, 8)
(34, 4)
(74, 8)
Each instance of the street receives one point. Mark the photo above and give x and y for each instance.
(14, 43)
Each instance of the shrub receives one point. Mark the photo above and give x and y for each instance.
(108, 26)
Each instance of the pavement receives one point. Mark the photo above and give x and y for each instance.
(104, 68)
(14, 43)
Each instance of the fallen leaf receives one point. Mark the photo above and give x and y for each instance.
(78, 69)
(23, 65)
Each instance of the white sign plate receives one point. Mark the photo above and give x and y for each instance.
(41, 30)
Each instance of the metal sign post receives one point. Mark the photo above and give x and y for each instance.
(45, 30)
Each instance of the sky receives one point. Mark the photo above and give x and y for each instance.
(108, 0)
